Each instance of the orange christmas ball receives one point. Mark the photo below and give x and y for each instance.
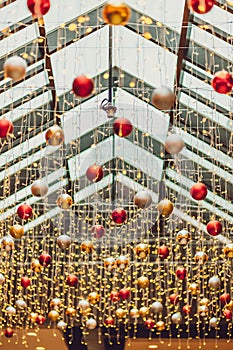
(174, 298)
(17, 231)
(94, 173)
(198, 191)
(122, 262)
(122, 127)
(228, 250)
(183, 237)
(222, 82)
(165, 207)
(7, 243)
(116, 13)
(54, 136)
(194, 288)
(120, 313)
(83, 86)
(200, 6)
(87, 247)
(160, 326)
(163, 98)
(55, 303)
(110, 263)
(15, 68)
(201, 258)
(71, 312)
(38, 8)
(64, 201)
(36, 266)
(6, 128)
(187, 309)
(214, 227)
(24, 211)
(93, 298)
(134, 313)
(143, 311)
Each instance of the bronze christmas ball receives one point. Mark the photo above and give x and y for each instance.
(201, 258)
(120, 313)
(228, 250)
(36, 266)
(116, 13)
(53, 315)
(183, 237)
(160, 326)
(55, 303)
(203, 310)
(122, 262)
(64, 201)
(93, 298)
(165, 207)
(15, 68)
(54, 136)
(39, 188)
(163, 98)
(134, 313)
(194, 288)
(71, 312)
(17, 231)
(143, 282)
(142, 250)
(63, 241)
(109, 263)
(143, 199)
(87, 247)
(7, 243)
(174, 144)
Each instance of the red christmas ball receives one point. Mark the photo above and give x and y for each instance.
(9, 332)
(181, 273)
(174, 298)
(45, 259)
(83, 86)
(6, 128)
(72, 281)
(98, 231)
(24, 211)
(187, 309)
(38, 8)
(122, 127)
(163, 252)
(114, 296)
(201, 6)
(227, 314)
(25, 282)
(222, 82)
(214, 227)
(119, 216)
(40, 320)
(224, 298)
(150, 324)
(198, 191)
(124, 293)
(109, 321)
(94, 173)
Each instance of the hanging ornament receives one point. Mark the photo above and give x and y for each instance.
(15, 68)
(201, 258)
(63, 241)
(91, 323)
(53, 315)
(25, 282)
(24, 211)
(109, 321)
(163, 252)
(10, 310)
(200, 6)
(116, 13)
(144, 311)
(87, 247)
(194, 288)
(198, 191)
(114, 296)
(149, 323)
(20, 304)
(83, 86)
(71, 312)
(165, 207)
(187, 309)
(181, 273)
(227, 314)
(72, 281)
(160, 326)
(98, 231)
(174, 144)
(214, 282)
(124, 293)
(33, 316)
(203, 310)
(143, 282)
(6, 128)
(143, 199)
(134, 313)
(61, 325)
(176, 318)
(228, 250)
(122, 127)
(8, 332)
(163, 98)
(119, 216)
(2, 279)
(120, 313)
(17, 231)
(55, 303)
(110, 263)
(94, 173)
(174, 298)
(183, 237)
(213, 322)
(214, 227)
(222, 82)
(54, 136)
(64, 201)
(40, 320)
(84, 306)
(7, 243)
(45, 259)
(122, 262)
(39, 188)
(93, 298)
(36, 266)
(156, 307)
(224, 298)
(38, 8)
(142, 250)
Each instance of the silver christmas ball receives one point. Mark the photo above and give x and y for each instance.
(15, 68)
(39, 188)
(91, 323)
(214, 282)
(143, 199)
(156, 307)
(174, 144)
(10, 310)
(163, 98)
(83, 304)
(2, 279)
(64, 241)
(20, 304)
(61, 325)
(213, 322)
(176, 318)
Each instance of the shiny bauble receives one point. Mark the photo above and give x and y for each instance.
(163, 251)
(84, 306)
(134, 313)
(119, 216)
(24, 211)
(163, 98)
(110, 264)
(53, 315)
(15, 68)
(156, 307)
(10, 310)
(116, 13)
(203, 310)
(54, 136)
(114, 296)
(200, 258)
(142, 250)
(63, 241)
(165, 207)
(122, 127)
(25, 282)
(109, 321)
(7, 243)
(143, 199)
(94, 173)
(181, 273)
(71, 312)
(6, 128)
(8, 332)
(45, 259)
(40, 320)
(222, 82)
(36, 266)
(61, 325)
(194, 288)
(124, 294)
(33, 316)
(213, 322)
(143, 282)
(93, 298)
(227, 314)
(224, 298)
(144, 311)
(176, 318)
(120, 313)
(17, 231)
(183, 237)
(214, 282)
(198, 191)
(39, 188)
(38, 8)
(83, 86)
(229, 306)
(98, 231)
(187, 309)
(174, 298)
(149, 323)
(228, 250)
(214, 227)
(204, 301)
(72, 280)
(87, 247)
(55, 303)
(160, 326)
(200, 6)
(122, 262)
(64, 201)
(174, 144)
(91, 323)
(20, 304)
(2, 279)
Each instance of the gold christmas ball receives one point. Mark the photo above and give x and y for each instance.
(143, 282)
(143, 311)
(36, 266)
(54, 136)
(55, 303)
(203, 310)
(142, 250)
(160, 326)
(134, 313)
(93, 298)
(116, 13)
(201, 258)
(121, 313)
(165, 207)
(229, 306)
(39, 188)
(7, 243)
(228, 250)
(183, 237)
(53, 315)
(163, 98)
(17, 231)
(174, 144)
(204, 302)
(194, 288)
(64, 201)
(33, 316)
(71, 312)
(110, 263)
(143, 199)
(122, 262)
(15, 68)
(87, 247)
